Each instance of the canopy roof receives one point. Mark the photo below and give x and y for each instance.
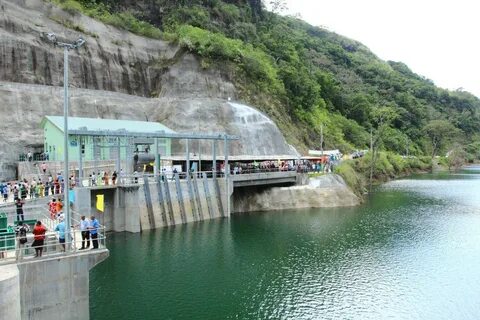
(96, 124)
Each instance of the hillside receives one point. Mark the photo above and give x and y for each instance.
(180, 60)
(309, 75)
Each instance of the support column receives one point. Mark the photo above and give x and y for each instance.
(214, 157)
(95, 162)
(199, 156)
(156, 169)
(117, 164)
(227, 173)
(129, 155)
(188, 156)
(80, 161)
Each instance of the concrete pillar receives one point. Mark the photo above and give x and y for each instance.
(214, 157)
(199, 156)
(57, 288)
(82, 203)
(9, 292)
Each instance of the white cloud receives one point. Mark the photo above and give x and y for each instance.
(436, 39)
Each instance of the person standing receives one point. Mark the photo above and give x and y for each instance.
(60, 228)
(84, 226)
(94, 179)
(21, 231)
(59, 206)
(93, 228)
(114, 177)
(43, 166)
(106, 178)
(52, 207)
(23, 191)
(5, 193)
(19, 206)
(38, 238)
(122, 176)
(32, 190)
(41, 189)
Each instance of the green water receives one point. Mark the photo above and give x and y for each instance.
(412, 251)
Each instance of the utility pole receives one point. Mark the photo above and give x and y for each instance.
(66, 47)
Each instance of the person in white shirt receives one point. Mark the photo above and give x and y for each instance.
(84, 224)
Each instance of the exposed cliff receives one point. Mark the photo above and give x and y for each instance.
(115, 75)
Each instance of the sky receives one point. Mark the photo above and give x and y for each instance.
(439, 40)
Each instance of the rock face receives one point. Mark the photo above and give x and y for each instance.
(116, 75)
(322, 192)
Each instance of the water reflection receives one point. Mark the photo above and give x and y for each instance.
(410, 252)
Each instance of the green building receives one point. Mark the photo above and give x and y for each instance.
(100, 147)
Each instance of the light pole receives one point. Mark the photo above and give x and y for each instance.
(66, 47)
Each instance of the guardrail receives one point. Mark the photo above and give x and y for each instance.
(132, 179)
(13, 250)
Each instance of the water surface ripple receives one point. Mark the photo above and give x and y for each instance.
(412, 251)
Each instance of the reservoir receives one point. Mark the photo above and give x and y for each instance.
(411, 251)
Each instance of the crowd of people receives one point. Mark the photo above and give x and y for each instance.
(104, 179)
(325, 165)
(35, 188)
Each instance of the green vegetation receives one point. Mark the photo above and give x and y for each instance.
(389, 165)
(122, 20)
(306, 77)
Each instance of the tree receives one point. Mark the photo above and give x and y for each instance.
(456, 157)
(277, 6)
(440, 134)
(381, 119)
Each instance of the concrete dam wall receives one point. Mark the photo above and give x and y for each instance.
(50, 289)
(156, 203)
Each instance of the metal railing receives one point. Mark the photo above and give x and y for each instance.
(12, 250)
(132, 179)
(34, 157)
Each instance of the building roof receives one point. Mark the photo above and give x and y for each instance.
(96, 124)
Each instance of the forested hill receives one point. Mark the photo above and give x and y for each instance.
(305, 75)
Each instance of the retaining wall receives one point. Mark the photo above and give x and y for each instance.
(156, 204)
(49, 288)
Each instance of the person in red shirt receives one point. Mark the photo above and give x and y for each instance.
(38, 238)
(52, 207)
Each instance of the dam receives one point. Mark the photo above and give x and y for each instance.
(160, 201)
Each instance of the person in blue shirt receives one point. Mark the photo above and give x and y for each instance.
(60, 228)
(93, 227)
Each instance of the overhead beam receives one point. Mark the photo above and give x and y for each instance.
(106, 133)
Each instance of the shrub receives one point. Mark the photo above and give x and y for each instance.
(354, 180)
(125, 20)
(71, 6)
(256, 64)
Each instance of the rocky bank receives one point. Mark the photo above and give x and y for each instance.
(321, 192)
